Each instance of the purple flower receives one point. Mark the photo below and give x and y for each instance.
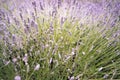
(17, 77)
(37, 67)
(34, 4)
(35, 25)
(21, 16)
(59, 3)
(14, 60)
(2, 14)
(25, 59)
(41, 7)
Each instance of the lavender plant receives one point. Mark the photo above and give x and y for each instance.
(59, 40)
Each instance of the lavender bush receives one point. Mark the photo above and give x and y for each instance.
(59, 39)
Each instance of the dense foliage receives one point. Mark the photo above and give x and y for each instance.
(59, 40)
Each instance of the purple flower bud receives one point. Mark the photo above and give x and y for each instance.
(59, 3)
(54, 12)
(74, 1)
(17, 77)
(37, 67)
(6, 62)
(27, 29)
(51, 28)
(8, 20)
(21, 16)
(28, 20)
(16, 21)
(61, 21)
(34, 4)
(32, 23)
(2, 14)
(35, 25)
(41, 7)
(14, 60)
(25, 58)
(105, 76)
(33, 16)
(14, 38)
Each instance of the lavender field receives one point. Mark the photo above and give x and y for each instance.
(59, 39)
